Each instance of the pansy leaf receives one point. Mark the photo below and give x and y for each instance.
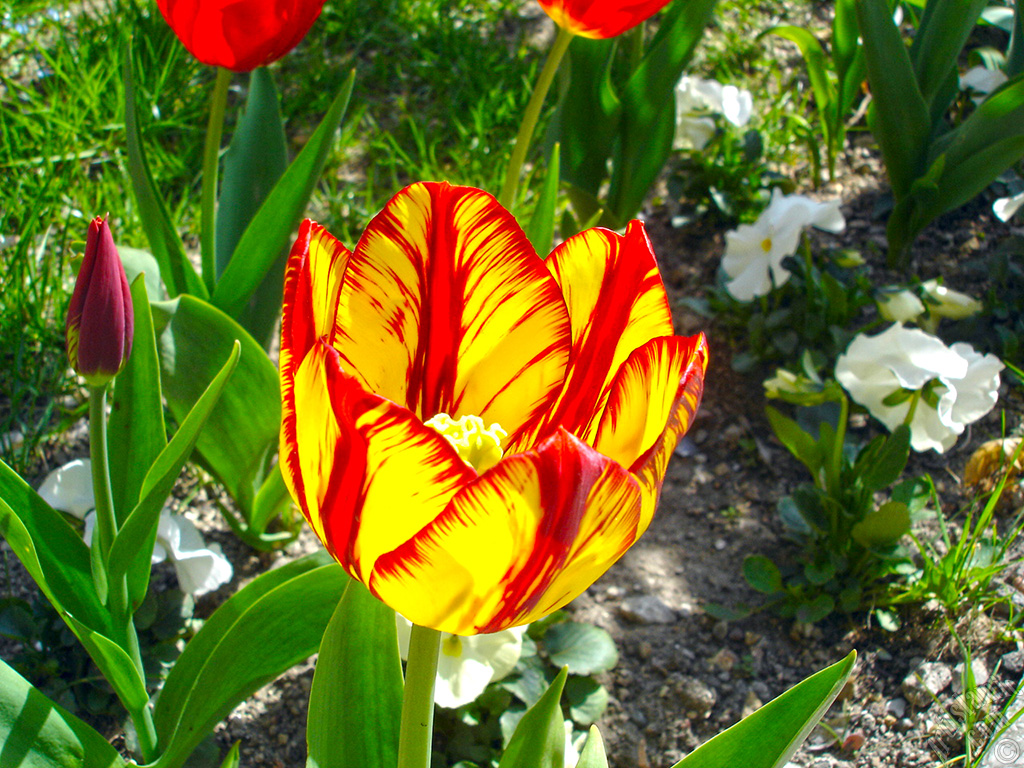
(884, 526)
(583, 648)
(355, 705)
(588, 699)
(770, 736)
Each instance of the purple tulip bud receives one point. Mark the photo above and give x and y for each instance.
(100, 321)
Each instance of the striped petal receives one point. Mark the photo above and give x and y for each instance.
(525, 539)
(367, 473)
(652, 405)
(600, 18)
(616, 303)
(447, 308)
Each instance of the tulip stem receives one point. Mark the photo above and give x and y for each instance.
(418, 699)
(211, 162)
(530, 117)
(106, 523)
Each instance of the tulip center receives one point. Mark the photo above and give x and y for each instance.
(766, 245)
(478, 445)
(452, 646)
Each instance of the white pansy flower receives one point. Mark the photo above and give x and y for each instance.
(899, 305)
(982, 81)
(466, 665)
(200, 567)
(754, 252)
(945, 302)
(573, 747)
(696, 98)
(1005, 207)
(960, 385)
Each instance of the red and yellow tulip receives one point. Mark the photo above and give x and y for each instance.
(474, 433)
(600, 18)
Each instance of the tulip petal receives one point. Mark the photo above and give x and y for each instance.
(525, 539)
(600, 18)
(616, 303)
(367, 473)
(446, 308)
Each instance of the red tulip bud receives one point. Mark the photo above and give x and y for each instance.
(100, 321)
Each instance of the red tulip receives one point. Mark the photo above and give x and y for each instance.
(240, 34)
(600, 18)
(100, 323)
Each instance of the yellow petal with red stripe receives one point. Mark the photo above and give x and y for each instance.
(446, 308)
(522, 541)
(616, 303)
(373, 474)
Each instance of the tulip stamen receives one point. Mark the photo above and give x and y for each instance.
(478, 445)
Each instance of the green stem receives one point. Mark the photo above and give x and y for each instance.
(530, 117)
(418, 700)
(211, 161)
(914, 400)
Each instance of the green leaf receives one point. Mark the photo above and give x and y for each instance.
(355, 705)
(240, 437)
(882, 527)
(134, 542)
(939, 38)
(900, 119)
(797, 440)
(233, 759)
(177, 272)
(255, 159)
(648, 106)
(886, 465)
(1015, 53)
(135, 430)
(762, 574)
(593, 754)
(588, 699)
(770, 736)
(51, 551)
(139, 262)
(541, 229)
(272, 499)
(539, 739)
(116, 665)
(268, 234)
(817, 72)
(271, 624)
(583, 648)
(815, 610)
(36, 733)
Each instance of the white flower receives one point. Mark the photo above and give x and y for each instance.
(962, 384)
(900, 306)
(695, 98)
(572, 747)
(982, 81)
(945, 302)
(467, 665)
(754, 252)
(1005, 207)
(200, 567)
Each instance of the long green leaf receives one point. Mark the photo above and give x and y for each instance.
(355, 705)
(1015, 53)
(37, 733)
(541, 229)
(116, 665)
(770, 736)
(273, 623)
(539, 739)
(134, 542)
(593, 754)
(272, 227)
(241, 434)
(177, 272)
(940, 37)
(817, 72)
(899, 118)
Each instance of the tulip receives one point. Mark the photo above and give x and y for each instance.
(240, 35)
(600, 18)
(100, 322)
(559, 387)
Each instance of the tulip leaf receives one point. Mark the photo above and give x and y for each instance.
(134, 543)
(37, 733)
(177, 272)
(583, 648)
(274, 622)
(116, 665)
(817, 71)
(266, 239)
(539, 739)
(51, 551)
(593, 754)
(541, 229)
(939, 38)
(770, 736)
(241, 434)
(272, 497)
(900, 119)
(233, 759)
(1015, 53)
(355, 705)
(253, 162)
(135, 430)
